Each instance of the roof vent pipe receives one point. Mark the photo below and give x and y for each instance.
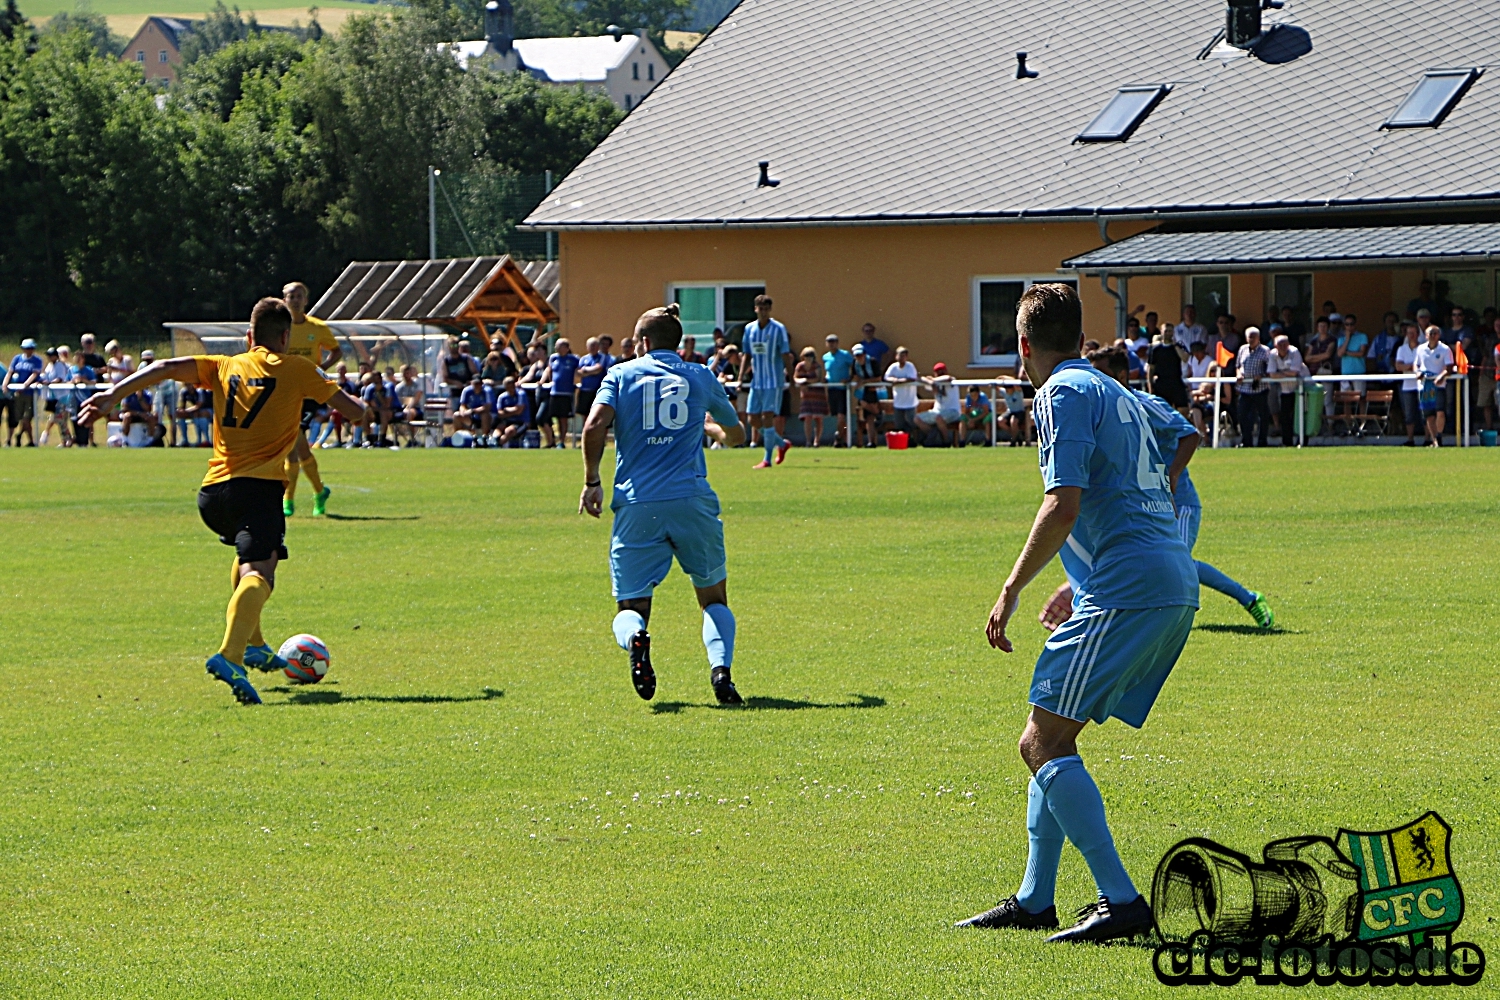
(766, 181)
(1242, 24)
(1022, 72)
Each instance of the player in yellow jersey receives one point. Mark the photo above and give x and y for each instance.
(258, 398)
(312, 339)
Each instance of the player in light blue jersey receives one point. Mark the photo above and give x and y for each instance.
(767, 352)
(1179, 439)
(1106, 484)
(661, 406)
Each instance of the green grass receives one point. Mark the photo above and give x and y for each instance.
(475, 803)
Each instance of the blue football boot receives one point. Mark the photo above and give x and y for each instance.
(233, 674)
(264, 659)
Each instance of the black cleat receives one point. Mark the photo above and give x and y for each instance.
(641, 674)
(724, 687)
(1008, 913)
(1099, 921)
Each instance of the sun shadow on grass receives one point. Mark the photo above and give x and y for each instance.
(339, 698)
(372, 517)
(1243, 629)
(771, 704)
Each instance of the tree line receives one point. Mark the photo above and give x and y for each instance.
(274, 156)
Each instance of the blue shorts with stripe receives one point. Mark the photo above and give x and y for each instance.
(647, 535)
(764, 400)
(1110, 663)
(1188, 520)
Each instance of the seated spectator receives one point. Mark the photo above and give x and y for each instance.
(1201, 394)
(1283, 369)
(411, 398)
(976, 415)
(1319, 351)
(689, 351)
(188, 411)
(814, 403)
(902, 374)
(136, 408)
(510, 414)
(476, 409)
(1016, 420)
(378, 410)
(947, 413)
(497, 367)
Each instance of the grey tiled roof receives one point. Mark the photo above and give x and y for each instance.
(1176, 253)
(892, 110)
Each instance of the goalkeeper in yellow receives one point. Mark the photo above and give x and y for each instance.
(312, 339)
(258, 399)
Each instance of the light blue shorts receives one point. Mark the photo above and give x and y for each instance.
(1188, 519)
(647, 535)
(1110, 663)
(764, 401)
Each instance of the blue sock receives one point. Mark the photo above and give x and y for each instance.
(770, 439)
(1040, 881)
(1078, 808)
(627, 624)
(1211, 578)
(718, 635)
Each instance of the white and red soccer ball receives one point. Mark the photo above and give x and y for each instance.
(306, 658)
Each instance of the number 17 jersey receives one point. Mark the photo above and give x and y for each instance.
(257, 410)
(659, 403)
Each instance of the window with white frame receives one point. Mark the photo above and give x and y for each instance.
(716, 305)
(161, 56)
(994, 340)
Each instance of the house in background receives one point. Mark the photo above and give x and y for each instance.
(926, 200)
(157, 46)
(625, 66)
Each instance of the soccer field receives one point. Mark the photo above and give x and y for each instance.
(475, 802)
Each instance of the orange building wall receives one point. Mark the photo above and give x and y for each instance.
(1368, 294)
(913, 282)
(151, 40)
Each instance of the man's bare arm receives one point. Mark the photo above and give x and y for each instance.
(100, 403)
(1054, 521)
(1186, 446)
(595, 432)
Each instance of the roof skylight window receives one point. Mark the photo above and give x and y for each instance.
(1436, 94)
(1124, 113)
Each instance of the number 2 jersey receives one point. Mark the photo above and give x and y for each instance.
(659, 403)
(257, 406)
(1096, 435)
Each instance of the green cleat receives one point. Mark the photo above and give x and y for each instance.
(320, 502)
(287, 506)
(1261, 611)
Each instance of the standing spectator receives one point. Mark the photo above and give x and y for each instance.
(1352, 347)
(1424, 302)
(1459, 331)
(768, 356)
(875, 348)
(1380, 359)
(563, 366)
(1406, 360)
(88, 356)
(1319, 351)
(1189, 330)
(1226, 332)
(726, 367)
(1432, 363)
(497, 368)
(117, 363)
(606, 348)
(976, 415)
(164, 401)
(865, 374)
(902, 374)
(475, 413)
(814, 404)
(1251, 364)
(25, 371)
(838, 367)
(1150, 329)
(533, 379)
(1486, 344)
(687, 352)
(84, 379)
(1165, 368)
(57, 372)
(510, 414)
(1295, 331)
(591, 369)
(1284, 368)
(947, 413)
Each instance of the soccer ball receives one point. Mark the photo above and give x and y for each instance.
(306, 658)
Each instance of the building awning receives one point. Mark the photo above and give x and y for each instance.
(1285, 249)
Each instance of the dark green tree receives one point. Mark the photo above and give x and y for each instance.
(84, 18)
(13, 22)
(219, 28)
(530, 127)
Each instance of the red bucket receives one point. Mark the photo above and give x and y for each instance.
(896, 440)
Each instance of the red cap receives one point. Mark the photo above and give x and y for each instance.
(940, 368)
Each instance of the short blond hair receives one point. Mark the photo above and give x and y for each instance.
(293, 286)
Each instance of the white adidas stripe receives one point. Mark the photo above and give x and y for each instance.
(1089, 670)
(1073, 682)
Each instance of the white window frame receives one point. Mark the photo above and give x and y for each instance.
(977, 360)
(718, 287)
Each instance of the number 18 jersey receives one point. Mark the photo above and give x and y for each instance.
(659, 403)
(257, 409)
(1093, 433)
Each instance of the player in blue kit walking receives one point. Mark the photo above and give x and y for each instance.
(661, 406)
(1178, 440)
(1106, 487)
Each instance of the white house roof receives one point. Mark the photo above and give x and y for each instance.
(575, 60)
(911, 110)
